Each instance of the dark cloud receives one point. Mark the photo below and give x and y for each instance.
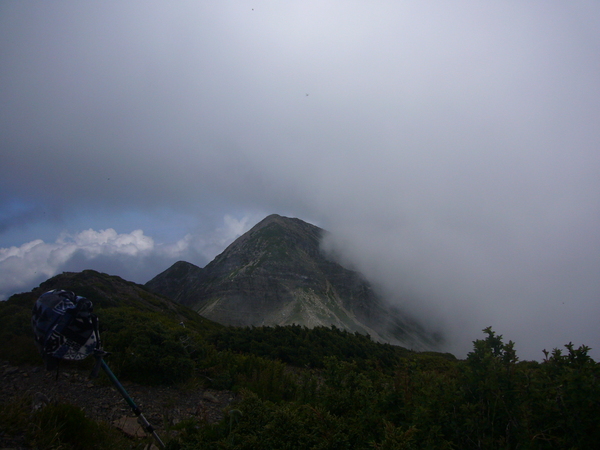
(13, 219)
(450, 149)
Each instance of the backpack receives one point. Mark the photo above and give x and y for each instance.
(64, 327)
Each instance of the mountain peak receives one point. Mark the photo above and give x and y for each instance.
(276, 274)
(287, 225)
(271, 218)
(269, 241)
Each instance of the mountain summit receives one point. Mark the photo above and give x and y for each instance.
(276, 274)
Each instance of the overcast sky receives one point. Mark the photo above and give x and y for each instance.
(451, 148)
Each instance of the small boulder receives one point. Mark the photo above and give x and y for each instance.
(130, 426)
(209, 397)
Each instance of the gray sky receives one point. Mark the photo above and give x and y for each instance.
(451, 148)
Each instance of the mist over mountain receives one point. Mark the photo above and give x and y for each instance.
(278, 274)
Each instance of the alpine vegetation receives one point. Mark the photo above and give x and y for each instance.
(287, 386)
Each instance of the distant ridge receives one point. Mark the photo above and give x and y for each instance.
(276, 274)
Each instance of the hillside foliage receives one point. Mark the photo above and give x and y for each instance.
(322, 388)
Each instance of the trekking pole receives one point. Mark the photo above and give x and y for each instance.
(64, 327)
(141, 419)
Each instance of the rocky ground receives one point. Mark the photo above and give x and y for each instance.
(162, 406)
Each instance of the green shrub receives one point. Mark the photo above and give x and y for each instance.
(149, 349)
(16, 334)
(57, 426)
(14, 416)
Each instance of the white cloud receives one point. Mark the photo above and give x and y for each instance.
(209, 245)
(21, 267)
(104, 242)
(134, 256)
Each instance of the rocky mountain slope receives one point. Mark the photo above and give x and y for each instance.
(276, 274)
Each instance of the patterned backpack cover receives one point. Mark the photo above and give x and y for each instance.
(64, 327)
